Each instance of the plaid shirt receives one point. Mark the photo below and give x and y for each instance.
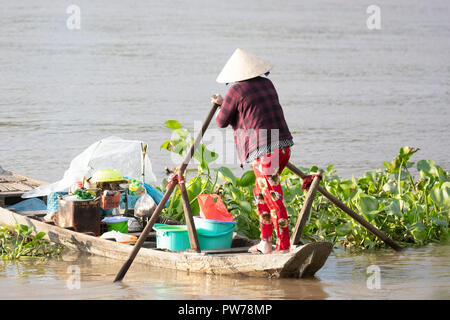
(252, 108)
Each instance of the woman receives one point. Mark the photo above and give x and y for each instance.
(262, 138)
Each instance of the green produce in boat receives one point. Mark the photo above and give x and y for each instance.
(83, 194)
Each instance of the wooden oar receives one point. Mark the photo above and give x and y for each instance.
(349, 211)
(169, 189)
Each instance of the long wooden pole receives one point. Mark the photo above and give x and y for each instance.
(205, 125)
(169, 189)
(349, 211)
(193, 238)
(192, 232)
(304, 212)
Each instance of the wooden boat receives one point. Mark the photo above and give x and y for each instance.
(13, 185)
(301, 261)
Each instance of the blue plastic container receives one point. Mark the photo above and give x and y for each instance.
(214, 226)
(172, 237)
(176, 237)
(214, 234)
(212, 240)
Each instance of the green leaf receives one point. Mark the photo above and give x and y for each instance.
(373, 175)
(347, 188)
(347, 184)
(173, 124)
(368, 204)
(419, 232)
(23, 230)
(406, 152)
(194, 188)
(401, 159)
(182, 133)
(245, 206)
(427, 168)
(176, 127)
(247, 179)
(226, 175)
(439, 222)
(394, 208)
(446, 186)
(344, 229)
(175, 145)
(443, 175)
(391, 187)
(440, 196)
(39, 236)
(204, 156)
(165, 145)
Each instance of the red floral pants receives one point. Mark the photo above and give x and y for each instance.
(269, 196)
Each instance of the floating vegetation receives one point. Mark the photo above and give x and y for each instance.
(411, 210)
(18, 242)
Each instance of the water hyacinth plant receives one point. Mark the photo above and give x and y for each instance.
(18, 242)
(411, 210)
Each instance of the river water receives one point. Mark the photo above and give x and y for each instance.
(421, 273)
(352, 97)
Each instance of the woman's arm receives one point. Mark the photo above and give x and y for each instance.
(228, 109)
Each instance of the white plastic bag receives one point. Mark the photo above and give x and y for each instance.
(144, 207)
(115, 153)
(119, 237)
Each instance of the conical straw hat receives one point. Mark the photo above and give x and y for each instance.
(242, 65)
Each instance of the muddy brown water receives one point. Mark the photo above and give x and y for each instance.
(416, 273)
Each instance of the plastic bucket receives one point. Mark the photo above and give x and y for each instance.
(172, 237)
(214, 226)
(117, 223)
(212, 240)
(214, 234)
(176, 237)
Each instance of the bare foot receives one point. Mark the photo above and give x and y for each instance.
(264, 247)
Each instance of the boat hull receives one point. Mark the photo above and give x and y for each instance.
(301, 261)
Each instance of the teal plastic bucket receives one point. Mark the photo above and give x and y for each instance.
(214, 226)
(172, 237)
(212, 240)
(214, 234)
(117, 223)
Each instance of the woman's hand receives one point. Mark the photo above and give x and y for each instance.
(217, 99)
